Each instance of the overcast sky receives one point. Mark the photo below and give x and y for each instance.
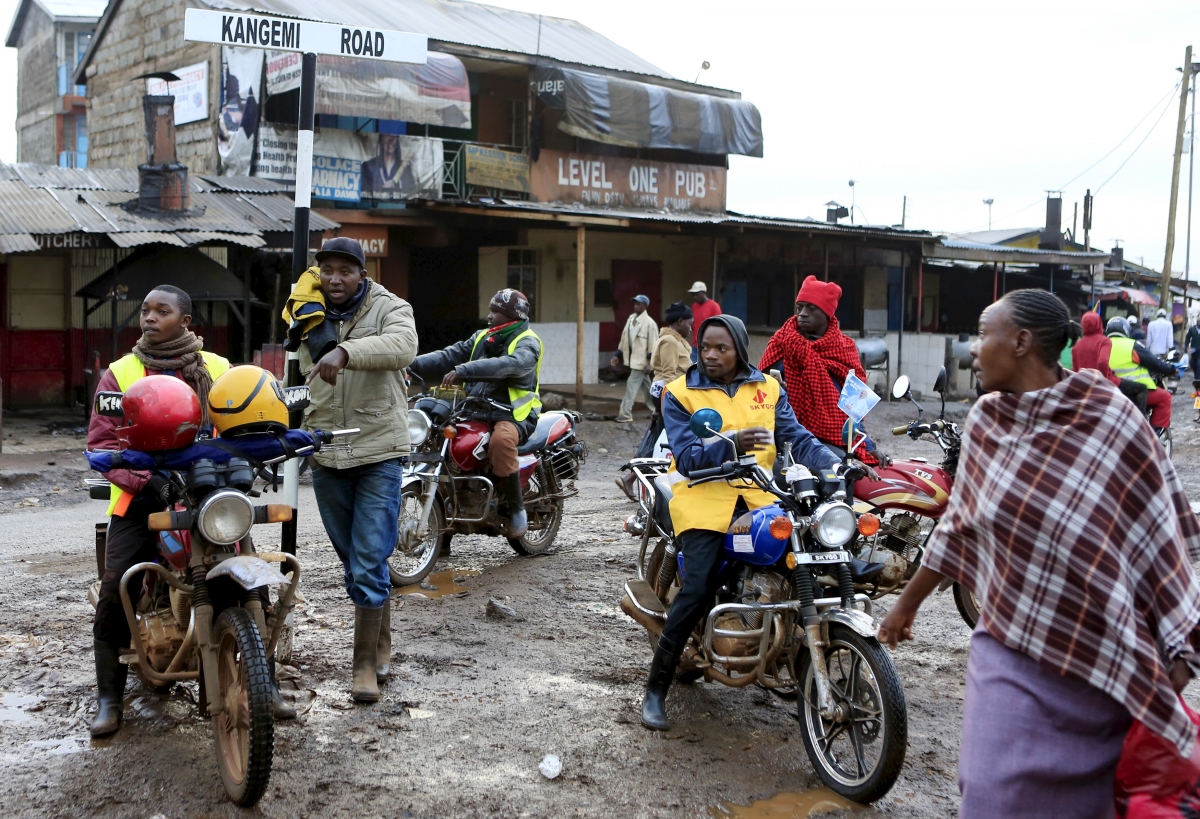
(947, 103)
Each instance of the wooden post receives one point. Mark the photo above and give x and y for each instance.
(995, 282)
(580, 302)
(1165, 300)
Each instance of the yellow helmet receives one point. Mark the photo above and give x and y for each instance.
(247, 399)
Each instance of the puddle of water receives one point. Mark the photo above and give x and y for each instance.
(12, 707)
(442, 582)
(787, 806)
(58, 747)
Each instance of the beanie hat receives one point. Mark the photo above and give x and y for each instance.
(511, 303)
(822, 295)
(676, 311)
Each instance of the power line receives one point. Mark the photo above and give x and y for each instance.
(1139, 145)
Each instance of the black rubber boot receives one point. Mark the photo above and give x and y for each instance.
(365, 687)
(110, 689)
(383, 650)
(662, 671)
(515, 499)
(280, 708)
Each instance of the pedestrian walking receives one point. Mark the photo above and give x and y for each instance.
(671, 358)
(360, 383)
(635, 350)
(1192, 342)
(1160, 335)
(1078, 545)
(703, 308)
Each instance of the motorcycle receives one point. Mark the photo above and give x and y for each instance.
(446, 492)
(773, 626)
(1180, 361)
(205, 613)
(908, 498)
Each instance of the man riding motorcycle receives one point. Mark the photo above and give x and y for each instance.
(756, 411)
(1130, 360)
(501, 363)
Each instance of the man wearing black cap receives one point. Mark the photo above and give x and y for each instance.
(360, 383)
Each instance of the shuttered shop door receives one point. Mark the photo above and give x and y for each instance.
(36, 353)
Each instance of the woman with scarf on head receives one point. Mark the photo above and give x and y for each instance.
(1080, 550)
(757, 417)
(814, 356)
(502, 363)
(167, 347)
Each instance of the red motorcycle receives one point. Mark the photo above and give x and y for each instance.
(908, 499)
(446, 489)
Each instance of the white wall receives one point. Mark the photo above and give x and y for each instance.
(558, 352)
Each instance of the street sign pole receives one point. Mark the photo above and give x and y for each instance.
(243, 30)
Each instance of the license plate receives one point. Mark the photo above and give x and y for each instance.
(803, 558)
(1196, 404)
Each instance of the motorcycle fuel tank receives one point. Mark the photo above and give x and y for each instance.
(469, 447)
(914, 486)
(749, 538)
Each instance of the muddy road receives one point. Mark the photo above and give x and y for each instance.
(475, 702)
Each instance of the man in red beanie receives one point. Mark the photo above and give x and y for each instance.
(815, 355)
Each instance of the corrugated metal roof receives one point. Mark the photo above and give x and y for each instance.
(18, 243)
(243, 239)
(138, 238)
(978, 252)
(244, 184)
(31, 210)
(471, 24)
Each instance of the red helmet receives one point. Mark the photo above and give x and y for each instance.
(161, 412)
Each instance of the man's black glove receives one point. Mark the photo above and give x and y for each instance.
(853, 470)
(161, 489)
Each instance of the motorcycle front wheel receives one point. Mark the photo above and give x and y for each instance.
(413, 560)
(539, 541)
(859, 752)
(968, 606)
(245, 728)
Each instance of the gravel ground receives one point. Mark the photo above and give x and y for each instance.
(475, 702)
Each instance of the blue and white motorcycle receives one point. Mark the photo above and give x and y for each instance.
(770, 628)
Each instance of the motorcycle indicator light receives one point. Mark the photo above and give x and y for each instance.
(868, 524)
(449, 432)
(790, 560)
(780, 528)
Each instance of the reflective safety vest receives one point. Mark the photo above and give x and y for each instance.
(1120, 360)
(710, 505)
(127, 370)
(523, 401)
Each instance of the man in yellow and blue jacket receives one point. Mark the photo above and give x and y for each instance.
(756, 414)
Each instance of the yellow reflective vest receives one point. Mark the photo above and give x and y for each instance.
(523, 401)
(1120, 360)
(127, 370)
(710, 505)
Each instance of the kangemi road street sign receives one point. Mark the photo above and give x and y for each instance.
(234, 28)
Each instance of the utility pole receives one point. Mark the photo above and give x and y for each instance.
(989, 202)
(1187, 257)
(1165, 300)
(1087, 242)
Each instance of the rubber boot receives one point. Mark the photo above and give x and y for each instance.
(383, 650)
(110, 689)
(515, 498)
(662, 671)
(281, 709)
(366, 651)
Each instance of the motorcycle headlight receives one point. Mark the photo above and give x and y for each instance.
(834, 524)
(225, 517)
(418, 427)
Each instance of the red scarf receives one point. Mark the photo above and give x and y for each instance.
(813, 372)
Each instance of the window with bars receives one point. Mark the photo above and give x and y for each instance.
(522, 274)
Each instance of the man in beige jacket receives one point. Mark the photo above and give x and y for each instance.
(360, 383)
(636, 347)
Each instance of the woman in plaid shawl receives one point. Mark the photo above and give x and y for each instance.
(1072, 528)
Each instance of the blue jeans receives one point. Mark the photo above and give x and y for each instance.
(360, 508)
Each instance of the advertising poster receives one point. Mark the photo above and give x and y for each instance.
(350, 166)
(241, 97)
(191, 92)
(494, 168)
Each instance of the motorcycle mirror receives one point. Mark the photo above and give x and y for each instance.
(939, 383)
(705, 423)
(901, 387)
(108, 404)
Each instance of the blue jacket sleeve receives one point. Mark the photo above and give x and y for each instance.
(806, 449)
(689, 451)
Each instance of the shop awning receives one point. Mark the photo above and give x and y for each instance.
(1134, 295)
(641, 115)
(186, 268)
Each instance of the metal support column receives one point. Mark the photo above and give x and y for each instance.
(580, 303)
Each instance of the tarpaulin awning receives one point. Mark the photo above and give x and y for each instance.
(642, 115)
(1134, 295)
(198, 275)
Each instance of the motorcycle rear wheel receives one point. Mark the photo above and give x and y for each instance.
(968, 606)
(245, 730)
(412, 565)
(865, 682)
(539, 541)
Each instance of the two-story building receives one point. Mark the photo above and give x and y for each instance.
(50, 37)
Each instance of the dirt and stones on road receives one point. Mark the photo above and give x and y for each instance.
(476, 702)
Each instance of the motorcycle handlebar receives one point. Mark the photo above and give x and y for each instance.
(724, 470)
(901, 430)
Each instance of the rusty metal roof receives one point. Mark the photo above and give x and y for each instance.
(38, 199)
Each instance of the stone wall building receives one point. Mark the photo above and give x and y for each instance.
(50, 37)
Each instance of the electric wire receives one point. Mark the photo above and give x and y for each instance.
(1139, 145)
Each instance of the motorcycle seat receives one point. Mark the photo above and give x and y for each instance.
(541, 434)
(662, 505)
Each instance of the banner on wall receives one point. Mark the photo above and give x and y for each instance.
(436, 93)
(350, 166)
(191, 92)
(241, 97)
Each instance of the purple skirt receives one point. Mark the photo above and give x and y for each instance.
(1035, 743)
